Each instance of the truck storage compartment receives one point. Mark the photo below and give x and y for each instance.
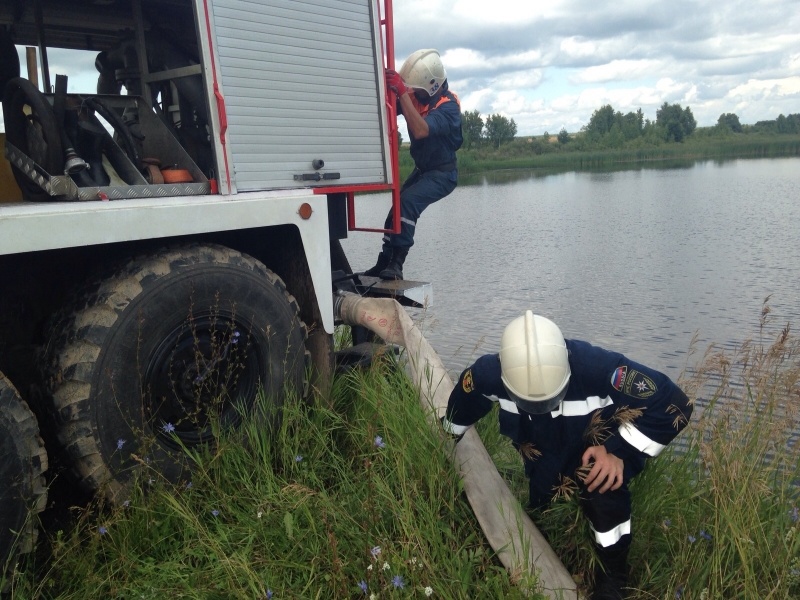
(264, 95)
(76, 156)
(303, 92)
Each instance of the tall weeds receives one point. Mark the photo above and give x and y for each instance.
(356, 493)
(716, 515)
(350, 495)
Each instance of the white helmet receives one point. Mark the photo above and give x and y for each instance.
(423, 70)
(534, 363)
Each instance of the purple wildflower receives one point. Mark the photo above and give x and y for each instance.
(298, 459)
(679, 591)
(705, 535)
(102, 530)
(215, 512)
(120, 443)
(794, 514)
(269, 594)
(363, 585)
(375, 551)
(235, 338)
(379, 443)
(189, 485)
(667, 522)
(397, 581)
(692, 539)
(168, 428)
(126, 504)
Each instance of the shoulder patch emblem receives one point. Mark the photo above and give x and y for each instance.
(633, 383)
(466, 382)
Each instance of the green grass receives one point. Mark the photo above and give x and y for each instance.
(532, 153)
(301, 509)
(716, 516)
(296, 519)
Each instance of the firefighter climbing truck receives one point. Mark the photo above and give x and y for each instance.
(169, 241)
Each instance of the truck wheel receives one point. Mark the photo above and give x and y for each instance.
(22, 486)
(155, 355)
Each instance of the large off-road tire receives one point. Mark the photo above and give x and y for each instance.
(23, 461)
(152, 355)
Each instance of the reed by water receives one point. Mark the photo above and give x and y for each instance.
(530, 153)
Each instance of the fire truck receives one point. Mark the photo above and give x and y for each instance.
(170, 239)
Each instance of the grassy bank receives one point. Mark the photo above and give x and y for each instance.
(359, 494)
(533, 153)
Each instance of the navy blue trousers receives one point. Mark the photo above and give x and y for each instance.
(609, 513)
(419, 191)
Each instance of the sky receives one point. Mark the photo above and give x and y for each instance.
(550, 65)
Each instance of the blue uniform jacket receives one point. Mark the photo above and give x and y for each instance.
(634, 411)
(444, 133)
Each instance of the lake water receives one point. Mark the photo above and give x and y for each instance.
(637, 261)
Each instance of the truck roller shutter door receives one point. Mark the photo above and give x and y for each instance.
(301, 83)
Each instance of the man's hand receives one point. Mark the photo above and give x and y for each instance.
(606, 470)
(395, 82)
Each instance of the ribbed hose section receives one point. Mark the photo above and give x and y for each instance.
(510, 532)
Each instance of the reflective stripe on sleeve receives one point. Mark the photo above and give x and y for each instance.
(508, 406)
(408, 221)
(639, 440)
(611, 537)
(579, 408)
(452, 428)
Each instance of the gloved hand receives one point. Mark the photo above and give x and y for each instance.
(395, 83)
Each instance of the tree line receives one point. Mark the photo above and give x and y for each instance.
(608, 128)
(496, 130)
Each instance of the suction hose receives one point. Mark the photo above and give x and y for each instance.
(511, 533)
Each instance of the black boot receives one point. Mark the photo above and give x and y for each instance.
(611, 575)
(383, 262)
(394, 270)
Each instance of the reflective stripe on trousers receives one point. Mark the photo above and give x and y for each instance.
(418, 192)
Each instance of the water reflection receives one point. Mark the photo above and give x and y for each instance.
(639, 261)
(502, 176)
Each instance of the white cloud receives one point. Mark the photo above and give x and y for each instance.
(470, 62)
(552, 64)
(573, 47)
(505, 11)
(458, 58)
(669, 88)
(618, 70)
(557, 63)
(755, 89)
(519, 80)
(509, 103)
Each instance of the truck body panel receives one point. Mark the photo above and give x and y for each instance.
(293, 97)
(49, 226)
(301, 84)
